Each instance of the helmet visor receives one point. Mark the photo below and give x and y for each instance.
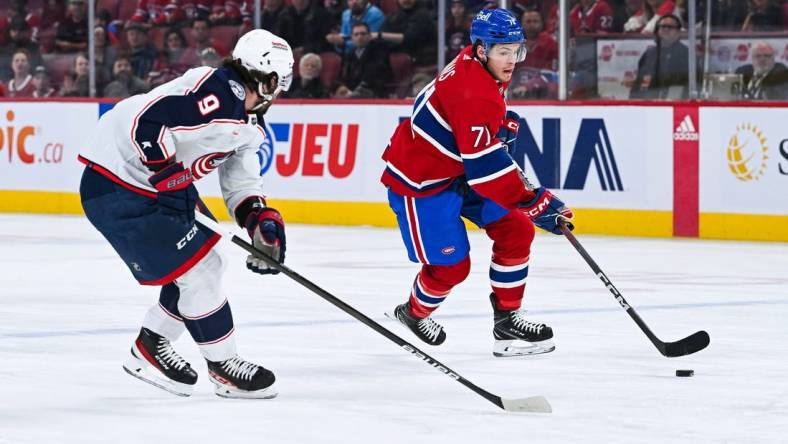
(508, 52)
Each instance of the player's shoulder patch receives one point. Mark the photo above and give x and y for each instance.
(238, 90)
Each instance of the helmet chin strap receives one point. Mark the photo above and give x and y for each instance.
(265, 99)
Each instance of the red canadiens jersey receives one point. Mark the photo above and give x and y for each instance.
(452, 133)
(597, 18)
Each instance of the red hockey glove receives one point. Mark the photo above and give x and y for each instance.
(176, 195)
(545, 209)
(267, 230)
(507, 133)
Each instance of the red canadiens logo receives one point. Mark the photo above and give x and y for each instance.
(607, 53)
(742, 52)
(448, 250)
(207, 163)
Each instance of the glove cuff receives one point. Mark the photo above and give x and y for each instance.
(248, 206)
(171, 178)
(538, 192)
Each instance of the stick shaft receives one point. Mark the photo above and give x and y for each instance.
(612, 288)
(212, 225)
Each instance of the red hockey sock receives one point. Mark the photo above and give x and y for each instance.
(512, 236)
(433, 284)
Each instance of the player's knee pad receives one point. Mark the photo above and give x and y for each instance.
(444, 277)
(512, 236)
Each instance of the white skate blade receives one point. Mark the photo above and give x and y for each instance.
(228, 391)
(534, 404)
(515, 347)
(143, 371)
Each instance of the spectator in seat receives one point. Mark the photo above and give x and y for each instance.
(763, 15)
(366, 70)
(663, 67)
(764, 79)
(41, 83)
(727, 15)
(126, 84)
(209, 57)
(18, 8)
(335, 8)
(630, 17)
(21, 84)
(458, 28)
(105, 53)
(72, 32)
(271, 16)
(170, 62)
(358, 11)
(159, 12)
(52, 13)
(19, 38)
(77, 82)
(411, 29)
(199, 9)
(590, 17)
(226, 13)
(542, 47)
(142, 53)
(304, 24)
(309, 86)
(175, 49)
(201, 39)
(527, 80)
(654, 11)
(418, 82)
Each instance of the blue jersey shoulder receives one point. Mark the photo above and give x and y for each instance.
(228, 89)
(217, 95)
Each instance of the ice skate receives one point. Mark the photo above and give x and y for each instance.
(515, 336)
(237, 378)
(154, 361)
(425, 329)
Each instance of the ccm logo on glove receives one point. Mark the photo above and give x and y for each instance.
(540, 207)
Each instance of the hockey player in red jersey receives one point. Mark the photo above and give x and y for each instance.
(138, 191)
(450, 160)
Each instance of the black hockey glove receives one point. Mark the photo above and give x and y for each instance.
(267, 231)
(176, 195)
(507, 133)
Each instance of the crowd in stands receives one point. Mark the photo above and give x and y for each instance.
(343, 48)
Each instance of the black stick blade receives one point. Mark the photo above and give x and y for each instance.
(687, 346)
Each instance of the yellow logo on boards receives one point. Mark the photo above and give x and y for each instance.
(747, 153)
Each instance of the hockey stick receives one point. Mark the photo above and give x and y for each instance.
(691, 344)
(532, 404)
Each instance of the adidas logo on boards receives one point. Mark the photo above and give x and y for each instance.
(686, 130)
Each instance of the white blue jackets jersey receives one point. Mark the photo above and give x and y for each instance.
(198, 119)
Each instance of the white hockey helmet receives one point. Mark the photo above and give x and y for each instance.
(260, 50)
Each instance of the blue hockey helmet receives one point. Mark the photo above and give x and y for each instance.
(494, 26)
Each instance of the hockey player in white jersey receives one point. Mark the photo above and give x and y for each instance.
(137, 190)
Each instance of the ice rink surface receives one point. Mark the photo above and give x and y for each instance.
(69, 311)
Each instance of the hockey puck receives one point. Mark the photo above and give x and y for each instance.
(685, 373)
